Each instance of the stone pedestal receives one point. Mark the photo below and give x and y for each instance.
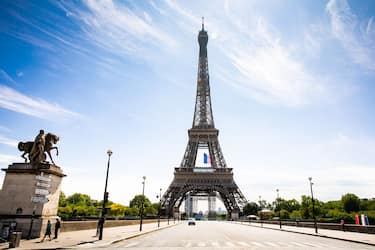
(29, 195)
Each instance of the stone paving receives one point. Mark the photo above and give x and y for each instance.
(87, 238)
(334, 234)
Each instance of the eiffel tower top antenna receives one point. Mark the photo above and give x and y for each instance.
(203, 117)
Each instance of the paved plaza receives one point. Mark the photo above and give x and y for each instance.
(207, 234)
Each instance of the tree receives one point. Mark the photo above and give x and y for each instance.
(350, 203)
(131, 211)
(250, 208)
(290, 205)
(81, 199)
(116, 210)
(137, 201)
(62, 200)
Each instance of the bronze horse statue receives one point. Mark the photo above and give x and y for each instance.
(50, 140)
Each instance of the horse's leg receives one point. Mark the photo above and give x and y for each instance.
(57, 150)
(23, 156)
(49, 154)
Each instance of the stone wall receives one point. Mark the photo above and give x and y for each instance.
(331, 226)
(67, 226)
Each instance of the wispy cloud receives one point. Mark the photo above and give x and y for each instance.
(119, 29)
(7, 78)
(8, 142)
(269, 72)
(357, 37)
(256, 60)
(8, 158)
(18, 102)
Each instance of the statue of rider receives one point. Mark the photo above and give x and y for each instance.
(36, 155)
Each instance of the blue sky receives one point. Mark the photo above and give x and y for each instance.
(292, 91)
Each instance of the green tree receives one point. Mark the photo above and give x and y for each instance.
(290, 205)
(81, 199)
(132, 211)
(137, 201)
(306, 209)
(350, 203)
(250, 208)
(62, 200)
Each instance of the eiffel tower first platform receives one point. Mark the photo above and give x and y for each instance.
(217, 179)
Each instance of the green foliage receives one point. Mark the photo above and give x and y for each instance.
(337, 215)
(78, 205)
(290, 205)
(137, 201)
(284, 214)
(350, 202)
(332, 205)
(306, 208)
(117, 210)
(62, 200)
(79, 199)
(250, 208)
(149, 208)
(131, 211)
(366, 204)
(296, 214)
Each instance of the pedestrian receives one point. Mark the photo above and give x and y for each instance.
(342, 223)
(57, 227)
(48, 231)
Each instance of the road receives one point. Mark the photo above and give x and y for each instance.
(214, 235)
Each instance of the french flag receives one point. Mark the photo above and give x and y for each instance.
(206, 159)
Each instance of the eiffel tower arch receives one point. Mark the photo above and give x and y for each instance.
(215, 178)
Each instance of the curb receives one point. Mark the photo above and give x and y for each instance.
(317, 235)
(119, 240)
(140, 234)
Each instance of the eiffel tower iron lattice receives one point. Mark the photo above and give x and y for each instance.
(217, 179)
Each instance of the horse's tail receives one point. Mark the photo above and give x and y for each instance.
(21, 146)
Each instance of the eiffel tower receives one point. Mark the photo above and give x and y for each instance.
(217, 179)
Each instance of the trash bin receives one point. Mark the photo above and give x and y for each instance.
(15, 239)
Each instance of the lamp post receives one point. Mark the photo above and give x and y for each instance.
(31, 223)
(105, 199)
(278, 204)
(260, 206)
(313, 203)
(143, 202)
(159, 208)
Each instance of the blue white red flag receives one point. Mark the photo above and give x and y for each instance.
(205, 158)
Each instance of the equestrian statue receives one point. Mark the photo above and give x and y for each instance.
(36, 149)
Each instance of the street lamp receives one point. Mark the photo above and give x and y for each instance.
(260, 206)
(278, 203)
(31, 224)
(313, 203)
(159, 208)
(105, 199)
(143, 202)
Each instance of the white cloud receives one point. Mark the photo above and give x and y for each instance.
(357, 40)
(18, 102)
(7, 141)
(256, 60)
(8, 158)
(6, 77)
(118, 29)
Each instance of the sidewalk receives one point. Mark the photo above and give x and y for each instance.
(364, 238)
(87, 239)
